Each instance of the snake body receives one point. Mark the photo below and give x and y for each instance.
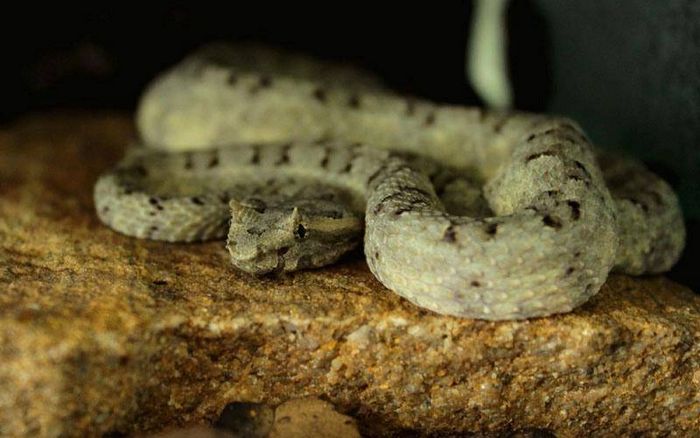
(557, 223)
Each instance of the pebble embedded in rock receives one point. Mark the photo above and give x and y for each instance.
(311, 418)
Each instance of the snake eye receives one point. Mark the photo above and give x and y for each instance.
(300, 232)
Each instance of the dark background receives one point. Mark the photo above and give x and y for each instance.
(628, 70)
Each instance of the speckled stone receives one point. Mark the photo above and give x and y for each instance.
(103, 333)
(311, 418)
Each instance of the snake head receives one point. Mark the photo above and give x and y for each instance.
(276, 235)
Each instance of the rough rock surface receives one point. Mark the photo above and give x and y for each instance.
(104, 333)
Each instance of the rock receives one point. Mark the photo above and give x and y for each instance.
(101, 333)
(311, 418)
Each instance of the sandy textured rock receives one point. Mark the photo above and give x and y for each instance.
(104, 333)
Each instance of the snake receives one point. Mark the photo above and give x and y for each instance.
(465, 211)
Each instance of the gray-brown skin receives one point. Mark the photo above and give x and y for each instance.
(548, 247)
(649, 219)
(271, 234)
(544, 252)
(266, 60)
(276, 220)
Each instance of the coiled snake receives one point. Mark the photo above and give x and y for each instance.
(297, 154)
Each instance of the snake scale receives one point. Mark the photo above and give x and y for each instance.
(292, 158)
